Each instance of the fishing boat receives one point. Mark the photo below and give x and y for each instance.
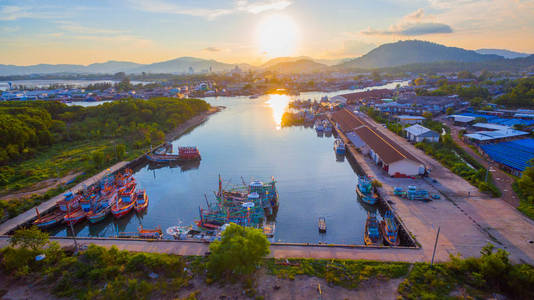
(319, 126)
(390, 229)
(102, 208)
(179, 232)
(339, 147)
(365, 190)
(268, 229)
(74, 216)
(125, 201)
(49, 220)
(327, 127)
(322, 225)
(69, 202)
(372, 231)
(184, 154)
(150, 233)
(141, 201)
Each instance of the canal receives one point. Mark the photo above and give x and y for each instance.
(246, 140)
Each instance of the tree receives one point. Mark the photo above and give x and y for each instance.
(450, 110)
(427, 115)
(238, 252)
(419, 81)
(31, 238)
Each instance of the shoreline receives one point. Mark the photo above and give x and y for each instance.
(46, 206)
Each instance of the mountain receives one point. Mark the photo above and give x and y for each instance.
(413, 52)
(179, 65)
(502, 52)
(283, 59)
(299, 66)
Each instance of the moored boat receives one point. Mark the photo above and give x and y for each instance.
(74, 216)
(49, 220)
(365, 190)
(125, 201)
(372, 232)
(141, 201)
(69, 202)
(150, 233)
(95, 216)
(319, 126)
(322, 225)
(339, 146)
(390, 229)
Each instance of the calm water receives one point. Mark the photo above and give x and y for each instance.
(245, 140)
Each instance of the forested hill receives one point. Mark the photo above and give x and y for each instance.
(32, 126)
(411, 52)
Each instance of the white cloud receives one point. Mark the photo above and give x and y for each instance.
(254, 7)
(413, 24)
(12, 12)
(77, 28)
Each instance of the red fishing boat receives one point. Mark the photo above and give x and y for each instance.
(125, 201)
(150, 233)
(141, 201)
(74, 216)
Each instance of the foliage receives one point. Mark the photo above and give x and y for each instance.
(101, 273)
(346, 273)
(521, 95)
(524, 187)
(478, 277)
(239, 252)
(30, 238)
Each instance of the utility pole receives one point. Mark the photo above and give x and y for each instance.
(72, 229)
(435, 245)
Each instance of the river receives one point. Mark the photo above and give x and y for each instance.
(246, 140)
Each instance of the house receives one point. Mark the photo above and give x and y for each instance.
(409, 120)
(460, 120)
(417, 133)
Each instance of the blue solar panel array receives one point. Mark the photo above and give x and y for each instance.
(501, 121)
(515, 154)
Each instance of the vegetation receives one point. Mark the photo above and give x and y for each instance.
(470, 278)
(96, 273)
(345, 273)
(238, 253)
(520, 95)
(524, 187)
(456, 159)
(47, 139)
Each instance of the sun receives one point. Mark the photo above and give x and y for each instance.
(277, 36)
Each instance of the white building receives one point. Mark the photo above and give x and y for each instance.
(417, 133)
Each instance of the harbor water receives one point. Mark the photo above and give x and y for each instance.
(246, 140)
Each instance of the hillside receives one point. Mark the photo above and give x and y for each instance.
(412, 52)
(502, 52)
(299, 66)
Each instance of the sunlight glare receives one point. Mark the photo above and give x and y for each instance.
(279, 104)
(277, 36)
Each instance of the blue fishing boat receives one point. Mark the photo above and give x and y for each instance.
(319, 126)
(327, 127)
(390, 229)
(372, 231)
(366, 191)
(102, 208)
(339, 146)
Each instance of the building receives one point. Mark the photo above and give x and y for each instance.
(386, 153)
(512, 156)
(409, 120)
(418, 133)
(460, 120)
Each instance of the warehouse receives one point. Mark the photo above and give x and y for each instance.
(417, 133)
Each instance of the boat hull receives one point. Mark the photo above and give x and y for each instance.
(387, 238)
(98, 216)
(122, 210)
(366, 198)
(74, 217)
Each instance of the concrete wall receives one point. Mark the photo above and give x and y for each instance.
(405, 167)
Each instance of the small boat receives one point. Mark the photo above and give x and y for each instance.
(74, 216)
(390, 229)
(319, 126)
(322, 225)
(372, 231)
(184, 154)
(150, 233)
(141, 201)
(101, 209)
(49, 220)
(179, 232)
(365, 190)
(69, 202)
(339, 147)
(268, 229)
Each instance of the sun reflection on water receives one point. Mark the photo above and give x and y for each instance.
(279, 104)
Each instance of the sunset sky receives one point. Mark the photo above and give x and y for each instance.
(146, 31)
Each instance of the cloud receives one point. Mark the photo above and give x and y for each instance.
(413, 24)
(12, 12)
(254, 7)
(212, 49)
(77, 28)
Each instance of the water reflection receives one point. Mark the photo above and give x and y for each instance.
(279, 104)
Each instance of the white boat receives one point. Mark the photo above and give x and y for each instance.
(339, 146)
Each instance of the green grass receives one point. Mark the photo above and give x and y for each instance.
(345, 273)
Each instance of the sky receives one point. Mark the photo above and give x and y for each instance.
(249, 31)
